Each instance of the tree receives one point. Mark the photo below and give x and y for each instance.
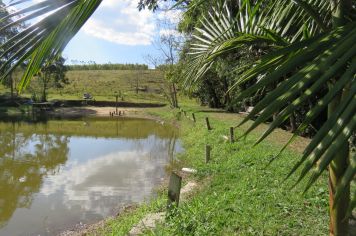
(216, 81)
(154, 4)
(169, 44)
(312, 45)
(5, 35)
(52, 75)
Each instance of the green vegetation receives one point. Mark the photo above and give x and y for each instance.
(240, 192)
(292, 61)
(108, 66)
(103, 85)
(304, 51)
(130, 85)
(52, 75)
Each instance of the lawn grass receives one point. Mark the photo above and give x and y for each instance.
(241, 193)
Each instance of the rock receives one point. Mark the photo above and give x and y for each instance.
(189, 170)
(188, 188)
(147, 223)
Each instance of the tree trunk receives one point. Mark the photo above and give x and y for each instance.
(338, 210)
(171, 95)
(293, 125)
(339, 223)
(11, 87)
(175, 99)
(44, 92)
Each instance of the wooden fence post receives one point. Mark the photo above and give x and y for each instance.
(232, 138)
(175, 184)
(117, 101)
(193, 115)
(207, 153)
(207, 123)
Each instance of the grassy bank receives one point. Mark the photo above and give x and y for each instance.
(241, 194)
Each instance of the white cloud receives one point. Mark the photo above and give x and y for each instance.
(128, 175)
(119, 21)
(98, 29)
(109, 3)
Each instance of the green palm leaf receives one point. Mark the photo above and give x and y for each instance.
(45, 38)
(312, 62)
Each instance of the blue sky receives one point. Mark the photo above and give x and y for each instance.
(117, 33)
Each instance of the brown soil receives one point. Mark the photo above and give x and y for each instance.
(101, 111)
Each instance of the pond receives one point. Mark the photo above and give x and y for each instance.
(60, 173)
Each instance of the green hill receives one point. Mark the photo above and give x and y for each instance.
(130, 85)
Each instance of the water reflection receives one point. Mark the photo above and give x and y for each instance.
(22, 170)
(59, 173)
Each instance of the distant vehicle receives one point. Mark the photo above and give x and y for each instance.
(87, 96)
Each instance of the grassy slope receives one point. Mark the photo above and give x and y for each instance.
(241, 195)
(103, 84)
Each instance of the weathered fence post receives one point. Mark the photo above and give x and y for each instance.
(175, 184)
(117, 101)
(207, 153)
(232, 138)
(207, 123)
(193, 115)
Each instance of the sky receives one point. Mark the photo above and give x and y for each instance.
(118, 33)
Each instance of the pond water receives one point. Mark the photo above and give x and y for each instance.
(60, 173)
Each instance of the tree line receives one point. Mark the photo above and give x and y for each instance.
(107, 66)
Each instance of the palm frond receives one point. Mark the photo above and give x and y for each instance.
(335, 59)
(300, 63)
(274, 23)
(43, 38)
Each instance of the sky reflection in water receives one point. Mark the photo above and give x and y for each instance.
(53, 177)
